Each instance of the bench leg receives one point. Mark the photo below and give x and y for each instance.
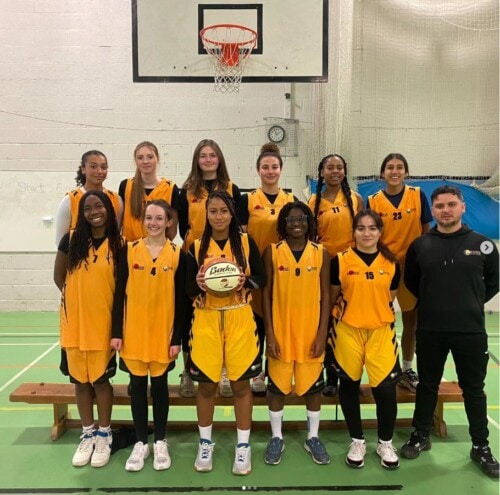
(439, 423)
(61, 414)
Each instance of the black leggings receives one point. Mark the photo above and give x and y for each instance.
(139, 402)
(386, 404)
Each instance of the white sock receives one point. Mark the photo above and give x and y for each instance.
(312, 423)
(407, 365)
(276, 419)
(359, 440)
(105, 429)
(205, 432)
(243, 436)
(386, 442)
(88, 429)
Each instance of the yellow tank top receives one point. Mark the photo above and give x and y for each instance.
(133, 228)
(296, 300)
(335, 222)
(209, 301)
(366, 290)
(87, 302)
(150, 302)
(402, 225)
(263, 216)
(197, 215)
(74, 200)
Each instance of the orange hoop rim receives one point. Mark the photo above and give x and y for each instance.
(253, 39)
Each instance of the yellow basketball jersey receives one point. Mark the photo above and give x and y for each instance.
(239, 298)
(402, 225)
(87, 301)
(366, 290)
(74, 200)
(296, 300)
(197, 215)
(335, 222)
(263, 216)
(133, 228)
(150, 302)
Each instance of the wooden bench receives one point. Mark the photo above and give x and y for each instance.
(60, 395)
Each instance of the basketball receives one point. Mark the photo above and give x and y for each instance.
(221, 276)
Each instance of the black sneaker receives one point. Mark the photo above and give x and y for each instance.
(483, 456)
(416, 444)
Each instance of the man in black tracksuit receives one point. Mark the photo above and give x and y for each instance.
(453, 271)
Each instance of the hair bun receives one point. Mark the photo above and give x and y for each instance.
(270, 148)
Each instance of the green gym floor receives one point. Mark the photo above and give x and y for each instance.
(32, 463)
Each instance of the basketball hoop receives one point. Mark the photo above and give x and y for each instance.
(229, 46)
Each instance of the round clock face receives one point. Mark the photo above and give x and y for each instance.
(276, 134)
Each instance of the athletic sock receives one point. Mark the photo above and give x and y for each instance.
(407, 365)
(205, 432)
(243, 436)
(312, 423)
(276, 419)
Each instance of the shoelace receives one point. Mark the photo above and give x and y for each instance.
(205, 451)
(241, 455)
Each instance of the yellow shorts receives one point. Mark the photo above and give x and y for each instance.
(89, 366)
(375, 349)
(141, 368)
(406, 300)
(305, 375)
(226, 338)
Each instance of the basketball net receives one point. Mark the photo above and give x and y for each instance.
(229, 47)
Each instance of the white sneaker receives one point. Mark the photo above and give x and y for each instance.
(387, 454)
(84, 451)
(225, 389)
(135, 462)
(356, 456)
(204, 458)
(242, 459)
(161, 456)
(102, 448)
(259, 384)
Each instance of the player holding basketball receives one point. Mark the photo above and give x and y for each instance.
(208, 173)
(366, 277)
(258, 214)
(406, 215)
(296, 327)
(143, 187)
(223, 328)
(334, 209)
(90, 176)
(84, 272)
(147, 326)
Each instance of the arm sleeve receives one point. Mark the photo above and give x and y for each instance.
(236, 195)
(63, 218)
(396, 278)
(412, 270)
(242, 210)
(64, 244)
(192, 288)
(175, 198)
(257, 279)
(180, 299)
(183, 213)
(334, 271)
(119, 299)
(425, 213)
(490, 274)
(121, 189)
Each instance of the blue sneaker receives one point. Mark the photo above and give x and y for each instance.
(274, 449)
(317, 450)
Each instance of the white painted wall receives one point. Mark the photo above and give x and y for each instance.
(66, 87)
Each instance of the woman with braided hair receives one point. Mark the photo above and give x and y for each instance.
(84, 272)
(223, 329)
(334, 206)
